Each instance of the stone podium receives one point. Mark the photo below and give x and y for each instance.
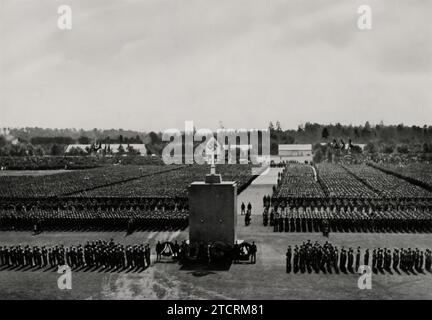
(212, 210)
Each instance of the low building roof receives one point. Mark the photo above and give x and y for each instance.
(295, 147)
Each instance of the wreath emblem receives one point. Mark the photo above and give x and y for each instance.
(167, 250)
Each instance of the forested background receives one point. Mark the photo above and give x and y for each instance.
(380, 138)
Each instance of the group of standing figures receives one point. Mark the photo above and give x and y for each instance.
(296, 222)
(309, 257)
(99, 254)
(247, 213)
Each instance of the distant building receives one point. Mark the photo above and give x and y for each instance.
(213, 147)
(295, 152)
(109, 148)
(360, 145)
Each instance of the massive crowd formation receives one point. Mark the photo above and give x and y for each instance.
(106, 198)
(337, 182)
(346, 198)
(73, 182)
(100, 203)
(171, 184)
(72, 162)
(387, 185)
(96, 220)
(415, 172)
(320, 220)
(118, 181)
(298, 181)
(315, 257)
(343, 198)
(48, 163)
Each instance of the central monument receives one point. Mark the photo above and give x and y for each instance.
(212, 210)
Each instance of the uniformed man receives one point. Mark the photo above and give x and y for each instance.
(357, 260)
(236, 252)
(366, 258)
(350, 260)
(296, 259)
(148, 255)
(395, 259)
(253, 251)
(288, 259)
(159, 248)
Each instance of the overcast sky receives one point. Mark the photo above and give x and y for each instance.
(152, 64)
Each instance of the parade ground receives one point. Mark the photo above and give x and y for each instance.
(266, 279)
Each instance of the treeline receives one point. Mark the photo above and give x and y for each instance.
(39, 142)
(379, 138)
(82, 140)
(57, 147)
(78, 135)
(305, 133)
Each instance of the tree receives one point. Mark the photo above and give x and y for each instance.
(17, 150)
(355, 149)
(2, 141)
(56, 150)
(318, 155)
(30, 150)
(52, 140)
(402, 149)
(274, 148)
(271, 126)
(278, 126)
(366, 130)
(325, 133)
(154, 138)
(287, 139)
(300, 128)
(356, 133)
(120, 149)
(388, 149)
(132, 151)
(371, 147)
(38, 151)
(138, 139)
(84, 140)
(76, 151)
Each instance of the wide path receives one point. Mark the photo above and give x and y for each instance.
(261, 186)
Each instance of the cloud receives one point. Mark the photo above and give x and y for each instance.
(153, 64)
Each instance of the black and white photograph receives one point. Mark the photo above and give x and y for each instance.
(230, 150)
